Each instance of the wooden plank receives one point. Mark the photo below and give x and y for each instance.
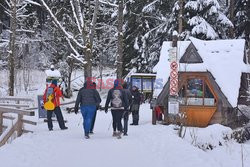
(1, 123)
(13, 105)
(27, 131)
(71, 102)
(29, 122)
(12, 98)
(17, 111)
(63, 104)
(8, 135)
(8, 117)
(24, 120)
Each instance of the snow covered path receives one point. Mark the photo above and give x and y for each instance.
(146, 146)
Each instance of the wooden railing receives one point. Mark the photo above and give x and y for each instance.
(16, 117)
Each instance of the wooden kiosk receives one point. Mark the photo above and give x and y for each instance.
(212, 79)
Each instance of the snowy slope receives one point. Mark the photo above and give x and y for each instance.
(146, 145)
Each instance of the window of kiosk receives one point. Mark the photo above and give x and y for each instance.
(195, 91)
(182, 95)
(147, 84)
(136, 82)
(209, 99)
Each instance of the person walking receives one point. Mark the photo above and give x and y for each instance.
(119, 103)
(88, 98)
(126, 113)
(54, 92)
(135, 106)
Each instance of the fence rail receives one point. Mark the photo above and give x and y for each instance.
(19, 121)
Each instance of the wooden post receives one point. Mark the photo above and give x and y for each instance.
(1, 123)
(153, 117)
(19, 125)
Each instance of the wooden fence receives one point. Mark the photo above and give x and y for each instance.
(19, 121)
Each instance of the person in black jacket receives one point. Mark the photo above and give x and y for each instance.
(126, 113)
(135, 106)
(119, 103)
(88, 98)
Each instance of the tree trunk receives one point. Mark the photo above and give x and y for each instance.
(120, 41)
(12, 48)
(231, 17)
(180, 18)
(88, 65)
(68, 89)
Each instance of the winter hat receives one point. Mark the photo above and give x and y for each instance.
(54, 82)
(116, 83)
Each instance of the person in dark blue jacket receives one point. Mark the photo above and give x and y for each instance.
(126, 113)
(135, 106)
(88, 98)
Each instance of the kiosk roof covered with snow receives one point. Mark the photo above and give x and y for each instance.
(213, 79)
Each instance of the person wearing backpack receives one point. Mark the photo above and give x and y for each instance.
(52, 97)
(126, 113)
(135, 106)
(119, 104)
(88, 98)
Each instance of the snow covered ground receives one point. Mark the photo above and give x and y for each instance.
(146, 145)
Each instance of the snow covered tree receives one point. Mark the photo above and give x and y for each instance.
(17, 34)
(242, 19)
(80, 38)
(202, 19)
(145, 29)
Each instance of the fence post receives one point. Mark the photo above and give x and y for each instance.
(19, 125)
(1, 123)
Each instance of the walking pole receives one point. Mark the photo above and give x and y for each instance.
(79, 121)
(110, 124)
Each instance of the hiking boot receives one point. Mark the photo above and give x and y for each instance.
(114, 134)
(125, 134)
(50, 129)
(87, 137)
(132, 124)
(119, 135)
(64, 128)
(91, 133)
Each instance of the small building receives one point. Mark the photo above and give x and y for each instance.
(213, 80)
(144, 81)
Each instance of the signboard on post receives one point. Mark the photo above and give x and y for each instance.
(173, 104)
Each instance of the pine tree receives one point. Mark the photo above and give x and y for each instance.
(145, 30)
(202, 19)
(242, 19)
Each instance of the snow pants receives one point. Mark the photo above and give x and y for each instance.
(135, 115)
(88, 112)
(59, 118)
(117, 119)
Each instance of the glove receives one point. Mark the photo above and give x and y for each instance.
(76, 111)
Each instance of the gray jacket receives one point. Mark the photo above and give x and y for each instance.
(123, 97)
(87, 97)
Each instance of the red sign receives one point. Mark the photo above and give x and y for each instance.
(174, 78)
